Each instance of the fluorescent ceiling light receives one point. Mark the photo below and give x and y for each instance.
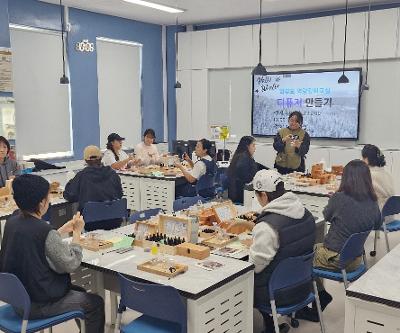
(156, 6)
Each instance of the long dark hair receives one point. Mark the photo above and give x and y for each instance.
(374, 155)
(110, 147)
(241, 150)
(357, 181)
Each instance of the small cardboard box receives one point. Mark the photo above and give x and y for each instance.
(193, 251)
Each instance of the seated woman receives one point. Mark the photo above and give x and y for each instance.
(202, 174)
(242, 169)
(8, 167)
(352, 209)
(114, 156)
(382, 181)
(147, 151)
(37, 255)
(97, 183)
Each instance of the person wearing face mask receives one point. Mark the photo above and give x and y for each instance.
(292, 144)
(147, 151)
(36, 253)
(8, 167)
(114, 156)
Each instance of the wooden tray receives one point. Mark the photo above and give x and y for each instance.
(160, 268)
(95, 244)
(215, 242)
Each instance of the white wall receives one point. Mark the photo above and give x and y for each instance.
(227, 56)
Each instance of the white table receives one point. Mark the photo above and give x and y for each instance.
(373, 301)
(216, 301)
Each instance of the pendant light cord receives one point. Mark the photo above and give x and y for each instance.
(176, 43)
(368, 34)
(62, 36)
(260, 35)
(345, 36)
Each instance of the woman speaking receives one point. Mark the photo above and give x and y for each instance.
(292, 144)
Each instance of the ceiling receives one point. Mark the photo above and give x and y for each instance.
(211, 11)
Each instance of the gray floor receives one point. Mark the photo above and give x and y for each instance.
(333, 315)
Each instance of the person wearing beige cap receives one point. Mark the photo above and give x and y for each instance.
(284, 228)
(97, 183)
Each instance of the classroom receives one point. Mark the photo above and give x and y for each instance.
(199, 166)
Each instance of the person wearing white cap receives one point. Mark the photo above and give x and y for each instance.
(284, 228)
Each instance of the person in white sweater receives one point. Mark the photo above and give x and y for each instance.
(284, 229)
(382, 181)
(147, 151)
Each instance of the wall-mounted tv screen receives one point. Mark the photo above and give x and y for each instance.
(330, 110)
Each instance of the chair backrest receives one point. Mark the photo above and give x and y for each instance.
(291, 272)
(106, 210)
(144, 215)
(186, 202)
(391, 207)
(353, 248)
(158, 301)
(14, 293)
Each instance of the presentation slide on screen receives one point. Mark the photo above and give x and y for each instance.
(330, 110)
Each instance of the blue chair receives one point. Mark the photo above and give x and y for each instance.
(14, 294)
(391, 207)
(144, 215)
(352, 248)
(292, 272)
(162, 308)
(106, 210)
(186, 202)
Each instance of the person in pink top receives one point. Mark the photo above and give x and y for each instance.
(147, 151)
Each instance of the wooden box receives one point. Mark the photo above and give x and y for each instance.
(161, 268)
(146, 227)
(225, 211)
(217, 242)
(162, 248)
(337, 170)
(95, 244)
(193, 251)
(206, 235)
(176, 226)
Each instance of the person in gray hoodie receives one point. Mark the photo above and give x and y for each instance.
(284, 228)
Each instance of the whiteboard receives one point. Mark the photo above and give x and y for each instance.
(119, 90)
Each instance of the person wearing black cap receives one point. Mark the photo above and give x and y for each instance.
(114, 156)
(37, 255)
(96, 183)
(8, 167)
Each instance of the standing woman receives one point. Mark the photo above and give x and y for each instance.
(292, 144)
(382, 181)
(114, 156)
(242, 169)
(147, 151)
(8, 167)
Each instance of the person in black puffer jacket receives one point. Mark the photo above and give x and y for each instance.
(95, 183)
